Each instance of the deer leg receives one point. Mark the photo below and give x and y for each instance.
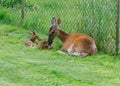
(71, 52)
(83, 54)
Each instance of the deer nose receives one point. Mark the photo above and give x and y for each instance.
(50, 42)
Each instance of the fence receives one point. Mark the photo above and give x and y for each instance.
(97, 18)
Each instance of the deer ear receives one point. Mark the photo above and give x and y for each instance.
(34, 33)
(58, 21)
(53, 22)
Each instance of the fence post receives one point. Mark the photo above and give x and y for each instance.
(117, 29)
(22, 11)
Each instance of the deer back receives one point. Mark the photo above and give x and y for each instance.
(79, 43)
(29, 43)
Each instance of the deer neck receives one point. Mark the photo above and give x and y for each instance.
(62, 35)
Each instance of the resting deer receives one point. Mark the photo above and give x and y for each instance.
(31, 42)
(44, 45)
(75, 44)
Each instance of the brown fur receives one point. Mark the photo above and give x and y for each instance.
(31, 42)
(44, 45)
(76, 44)
(80, 43)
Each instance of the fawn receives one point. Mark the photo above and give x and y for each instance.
(31, 42)
(44, 45)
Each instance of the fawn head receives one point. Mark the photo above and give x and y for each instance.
(34, 36)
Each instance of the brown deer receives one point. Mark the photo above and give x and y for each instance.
(75, 44)
(31, 42)
(44, 45)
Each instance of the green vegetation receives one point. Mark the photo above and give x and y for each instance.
(10, 3)
(95, 18)
(24, 66)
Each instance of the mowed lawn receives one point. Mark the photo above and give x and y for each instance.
(24, 66)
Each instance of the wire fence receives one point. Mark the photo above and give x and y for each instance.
(97, 18)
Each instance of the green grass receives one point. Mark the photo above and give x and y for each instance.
(95, 18)
(24, 66)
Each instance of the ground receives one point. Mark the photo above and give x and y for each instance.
(24, 66)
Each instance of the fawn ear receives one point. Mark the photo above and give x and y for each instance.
(58, 21)
(53, 22)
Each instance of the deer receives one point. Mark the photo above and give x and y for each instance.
(77, 44)
(31, 42)
(44, 45)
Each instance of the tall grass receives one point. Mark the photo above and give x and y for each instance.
(95, 18)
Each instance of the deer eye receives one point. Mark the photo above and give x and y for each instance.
(53, 32)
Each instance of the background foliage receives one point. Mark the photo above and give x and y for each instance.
(24, 66)
(93, 17)
(10, 3)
